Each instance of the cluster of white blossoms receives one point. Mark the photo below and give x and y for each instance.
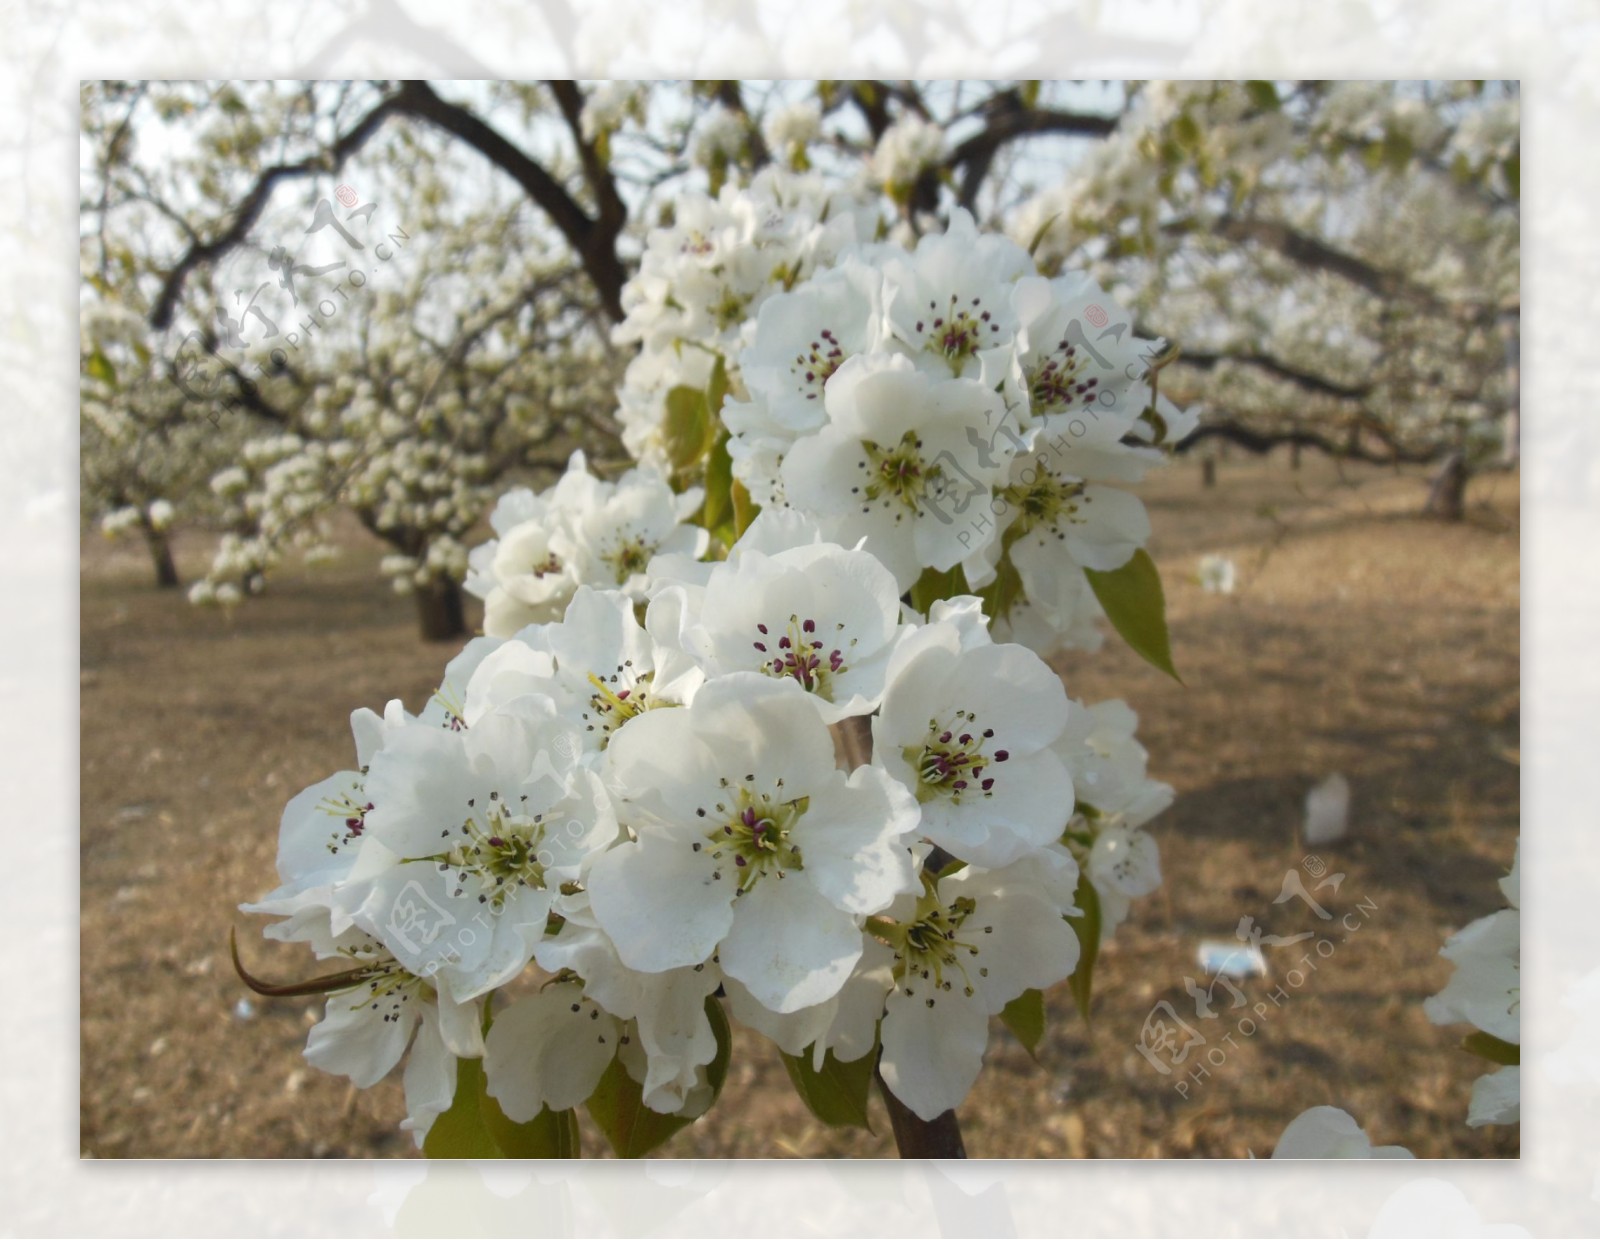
(1486, 992)
(725, 747)
(701, 280)
(907, 149)
(946, 403)
(157, 514)
(619, 820)
(582, 531)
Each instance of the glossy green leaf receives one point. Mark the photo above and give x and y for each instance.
(617, 1104)
(838, 1093)
(744, 509)
(719, 485)
(1024, 1016)
(1263, 94)
(717, 390)
(1087, 928)
(462, 1131)
(549, 1134)
(1003, 593)
(934, 586)
(1495, 1050)
(686, 427)
(100, 369)
(1187, 131)
(1137, 608)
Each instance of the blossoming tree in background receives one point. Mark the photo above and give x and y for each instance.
(1340, 259)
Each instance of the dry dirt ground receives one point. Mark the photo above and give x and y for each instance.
(1361, 640)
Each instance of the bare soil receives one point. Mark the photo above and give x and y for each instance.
(1362, 639)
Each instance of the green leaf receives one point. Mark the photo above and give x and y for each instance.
(934, 586)
(744, 509)
(1024, 1016)
(717, 389)
(1003, 593)
(719, 485)
(1512, 167)
(1263, 94)
(100, 368)
(1487, 1046)
(462, 1131)
(1186, 130)
(686, 427)
(837, 1095)
(549, 1134)
(1087, 928)
(1133, 602)
(1397, 151)
(617, 1104)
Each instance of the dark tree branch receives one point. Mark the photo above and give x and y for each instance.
(1353, 448)
(1301, 379)
(593, 239)
(255, 202)
(1007, 118)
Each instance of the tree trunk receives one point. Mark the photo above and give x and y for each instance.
(1208, 472)
(161, 557)
(439, 611)
(1447, 497)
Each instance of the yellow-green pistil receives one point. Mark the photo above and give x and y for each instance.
(897, 474)
(958, 332)
(628, 557)
(952, 761)
(754, 836)
(503, 850)
(930, 944)
(1043, 502)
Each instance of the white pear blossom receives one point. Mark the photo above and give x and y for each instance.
(970, 731)
(488, 822)
(820, 617)
(1486, 988)
(582, 531)
(549, 1050)
(962, 950)
(1328, 1132)
(1114, 799)
(906, 149)
(789, 130)
(950, 301)
(1486, 991)
(665, 1011)
(598, 666)
(897, 443)
(751, 844)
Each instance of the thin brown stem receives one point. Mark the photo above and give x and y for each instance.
(916, 1137)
